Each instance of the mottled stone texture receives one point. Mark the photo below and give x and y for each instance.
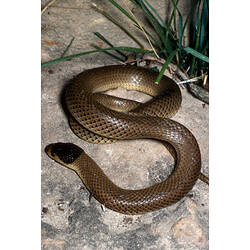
(69, 220)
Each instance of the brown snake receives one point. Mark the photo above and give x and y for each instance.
(91, 119)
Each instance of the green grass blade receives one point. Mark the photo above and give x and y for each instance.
(180, 30)
(129, 49)
(205, 50)
(179, 58)
(170, 58)
(109, 43)
(169, 33)
(176, 5)
(154, 22)
(99, 35)
(153, 40)
(67, 48)
(174, 19)
(110, 54)
(122, 10)
(122, 28)
(174, 12)
(196, 26)
(204, 20)
(196, 54)
(196, 40)
(156, 14)
(190, 14)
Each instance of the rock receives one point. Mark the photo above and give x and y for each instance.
(188, 231)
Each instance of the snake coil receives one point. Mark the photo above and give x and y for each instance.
(93, 120)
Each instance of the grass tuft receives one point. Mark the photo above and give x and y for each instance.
(169, 42)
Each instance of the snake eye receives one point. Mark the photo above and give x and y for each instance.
(51, 150)
(53, 153)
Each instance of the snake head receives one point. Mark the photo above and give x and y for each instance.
(64, 153)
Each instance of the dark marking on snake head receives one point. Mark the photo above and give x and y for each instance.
(66, 152)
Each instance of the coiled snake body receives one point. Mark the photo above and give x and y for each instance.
(91, 119)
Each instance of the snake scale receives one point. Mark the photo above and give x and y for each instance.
(101, 119)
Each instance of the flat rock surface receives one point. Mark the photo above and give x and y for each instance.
(69, 220)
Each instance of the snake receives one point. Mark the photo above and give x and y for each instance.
(100, 118)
